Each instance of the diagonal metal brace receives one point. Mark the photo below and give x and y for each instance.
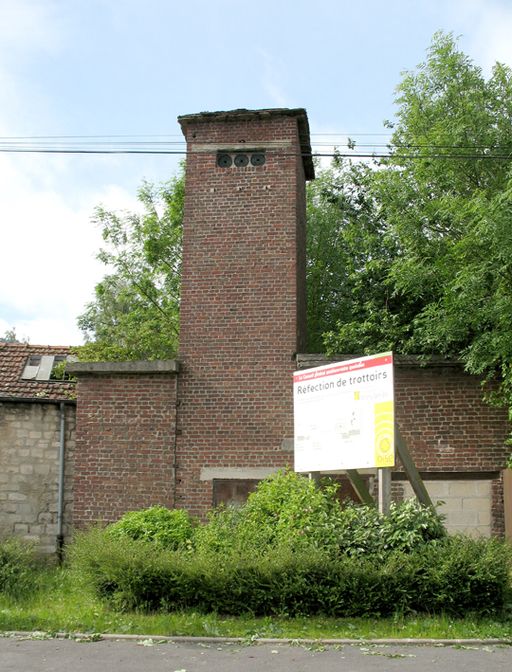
(360, 487)
(410, 469)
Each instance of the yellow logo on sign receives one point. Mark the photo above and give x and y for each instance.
(384, 434)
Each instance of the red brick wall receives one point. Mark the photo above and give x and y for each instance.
(242, 321)
(126, 438)
(242, 311)
(449, 428)
(446, 423)
(125, 445)
(497, 507)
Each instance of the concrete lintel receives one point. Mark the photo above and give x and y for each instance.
(248, 146)
(138, 366)
(253, 473)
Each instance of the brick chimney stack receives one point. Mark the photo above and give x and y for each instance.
(243, 296)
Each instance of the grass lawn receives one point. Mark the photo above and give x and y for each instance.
(63, 605)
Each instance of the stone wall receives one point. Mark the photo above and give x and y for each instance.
(29, 470)
(465, 504)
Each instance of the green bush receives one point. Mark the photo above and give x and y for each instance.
(410, 524)
(112, 565)
(222, 533)
(169, 528)
(453, 576)
(363, 530)
(286, 510)
(293, 549)
(289, 510)
(17, 567)
(464, 575)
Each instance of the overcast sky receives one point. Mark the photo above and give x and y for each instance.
(125, 67)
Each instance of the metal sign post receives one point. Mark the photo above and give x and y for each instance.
(384, 478)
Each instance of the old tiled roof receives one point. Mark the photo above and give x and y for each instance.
(13, 358)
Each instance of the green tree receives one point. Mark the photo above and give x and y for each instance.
(9, 336)
(135, 313)
(444, 198)
(350, 250)
(412, 254)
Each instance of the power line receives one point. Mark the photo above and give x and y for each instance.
(179, 152)
(100, 144)
(38, 141)
(346, 139)
(40, 150)
(147, 144)
(160, 135)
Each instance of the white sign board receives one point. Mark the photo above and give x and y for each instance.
(344, 415)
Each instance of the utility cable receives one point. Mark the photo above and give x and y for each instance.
(348, 155)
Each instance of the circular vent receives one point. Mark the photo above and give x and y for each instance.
(224, 160)
(241, 160)
(257, 159)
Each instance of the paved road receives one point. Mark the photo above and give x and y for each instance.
(57, 655)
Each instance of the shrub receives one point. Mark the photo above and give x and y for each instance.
(363, 530)
(293, 549)
(112, 565)
(169, 528)
(465, 574)
(453, 576)
(286, 509)
(17, 567)
(222, 533)
(410, 524)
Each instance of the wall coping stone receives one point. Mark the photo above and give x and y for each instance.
(308, 361)
(37, 400)
(133, 367)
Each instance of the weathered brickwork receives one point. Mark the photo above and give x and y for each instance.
(449, 428)
(497, 506)
(29, 471)
(183, 439)
(242, 312)
(445, 421)
(125, 444)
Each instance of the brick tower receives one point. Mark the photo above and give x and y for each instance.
(243, 297)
